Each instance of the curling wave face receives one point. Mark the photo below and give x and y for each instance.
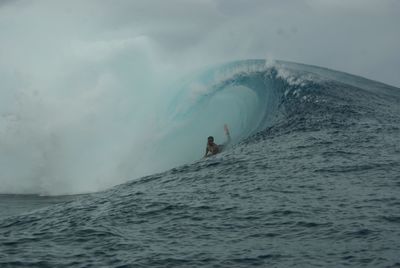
(110, 126)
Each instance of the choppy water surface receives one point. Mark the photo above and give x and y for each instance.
(316, 185)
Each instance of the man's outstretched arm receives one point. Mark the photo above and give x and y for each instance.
(227, 134)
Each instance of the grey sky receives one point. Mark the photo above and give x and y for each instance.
(356, 36)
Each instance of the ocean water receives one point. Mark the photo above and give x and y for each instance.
(312, 180)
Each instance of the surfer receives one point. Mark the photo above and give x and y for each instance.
(213, 148)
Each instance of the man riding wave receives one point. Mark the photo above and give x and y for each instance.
(212, 148)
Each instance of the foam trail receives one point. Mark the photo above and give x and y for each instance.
(72, 134)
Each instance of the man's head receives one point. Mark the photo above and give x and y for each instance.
(210, 140)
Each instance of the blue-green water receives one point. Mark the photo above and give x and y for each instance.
(315, 184)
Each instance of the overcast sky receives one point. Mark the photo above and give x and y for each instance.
(357, 36)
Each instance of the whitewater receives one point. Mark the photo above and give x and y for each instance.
(310, 180)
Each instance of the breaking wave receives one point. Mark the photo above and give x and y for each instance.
(122, 128)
